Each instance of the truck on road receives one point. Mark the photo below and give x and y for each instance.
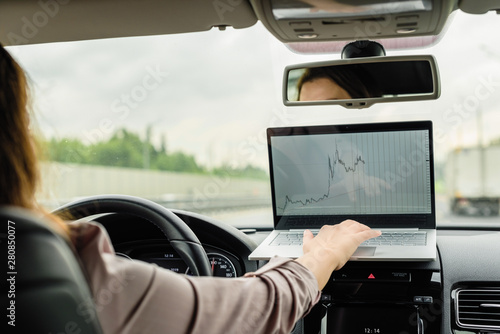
(473, 180)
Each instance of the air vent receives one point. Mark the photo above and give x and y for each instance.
(478, 308)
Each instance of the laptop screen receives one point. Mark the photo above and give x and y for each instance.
(380, 174)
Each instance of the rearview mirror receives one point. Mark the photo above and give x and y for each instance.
(361, 82)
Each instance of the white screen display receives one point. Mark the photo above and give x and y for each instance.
(352, 173)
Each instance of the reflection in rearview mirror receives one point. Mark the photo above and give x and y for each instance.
(360, 82)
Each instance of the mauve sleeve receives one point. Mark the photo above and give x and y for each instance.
(270, 300)
(137, 297)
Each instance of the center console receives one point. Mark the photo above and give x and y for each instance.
(379, 298)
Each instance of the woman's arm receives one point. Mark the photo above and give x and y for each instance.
(332, 247)
(137, 297)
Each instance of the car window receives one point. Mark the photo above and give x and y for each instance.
(181, 119)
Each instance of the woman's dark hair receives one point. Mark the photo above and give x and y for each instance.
(353, 78)
(19, 173)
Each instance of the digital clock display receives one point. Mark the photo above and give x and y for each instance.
(372, 319)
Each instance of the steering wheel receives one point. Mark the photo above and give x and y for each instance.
(180, 236)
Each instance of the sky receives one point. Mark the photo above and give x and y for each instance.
(213, 94)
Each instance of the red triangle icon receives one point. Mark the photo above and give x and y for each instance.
(371, 276)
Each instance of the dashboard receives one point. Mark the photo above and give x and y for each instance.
(458, 293)
(223, 263)
(136, 238)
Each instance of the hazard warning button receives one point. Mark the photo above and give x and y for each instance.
(372, 275)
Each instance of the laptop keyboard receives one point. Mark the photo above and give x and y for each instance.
(288, 239)
(398, 239)
(416, 238)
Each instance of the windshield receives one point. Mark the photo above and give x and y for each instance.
(181, 119)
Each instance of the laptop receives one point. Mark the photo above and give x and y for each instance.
(380, 174)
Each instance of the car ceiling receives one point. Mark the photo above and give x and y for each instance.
(43, 21)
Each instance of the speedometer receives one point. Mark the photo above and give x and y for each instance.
(221, 266)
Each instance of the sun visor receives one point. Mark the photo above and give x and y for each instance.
(34, 21)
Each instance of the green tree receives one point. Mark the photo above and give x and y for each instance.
(127, 149)
(123, 149)
(67, 150)
(181, 162)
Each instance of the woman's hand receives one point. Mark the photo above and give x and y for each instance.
(332, 247)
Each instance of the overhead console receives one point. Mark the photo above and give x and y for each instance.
(336, 20)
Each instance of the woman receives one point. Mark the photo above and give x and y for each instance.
(341, 82)
(152, 299)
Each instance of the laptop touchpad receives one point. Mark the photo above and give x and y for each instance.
(365, 251)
